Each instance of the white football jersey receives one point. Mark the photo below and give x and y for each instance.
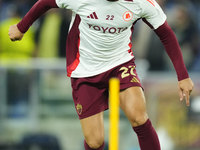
(100, 32)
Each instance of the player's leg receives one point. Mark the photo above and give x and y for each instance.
(132, 102)
(91, 99)
(93, 130)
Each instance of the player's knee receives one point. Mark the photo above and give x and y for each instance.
(138, 119)
(95, 142)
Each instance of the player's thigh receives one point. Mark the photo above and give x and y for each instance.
(93, 129)
(133, 103)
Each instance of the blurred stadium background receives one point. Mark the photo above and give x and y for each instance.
(36, 106)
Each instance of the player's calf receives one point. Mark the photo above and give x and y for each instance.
(147, 136)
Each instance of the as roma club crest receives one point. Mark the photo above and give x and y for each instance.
(127, 16)
(79, 108)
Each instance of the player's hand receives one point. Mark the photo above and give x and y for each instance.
(185, 88)
(14, 33)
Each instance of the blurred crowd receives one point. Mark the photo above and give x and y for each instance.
(182, 15)
(50, 28)
(45, 39)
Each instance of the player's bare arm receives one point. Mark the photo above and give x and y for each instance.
(185, 88)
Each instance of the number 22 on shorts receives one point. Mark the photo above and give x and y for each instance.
(126, 71)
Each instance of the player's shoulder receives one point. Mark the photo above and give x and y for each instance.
(73, 5)
(138, 2)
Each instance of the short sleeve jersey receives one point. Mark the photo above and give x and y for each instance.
(100, 32)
